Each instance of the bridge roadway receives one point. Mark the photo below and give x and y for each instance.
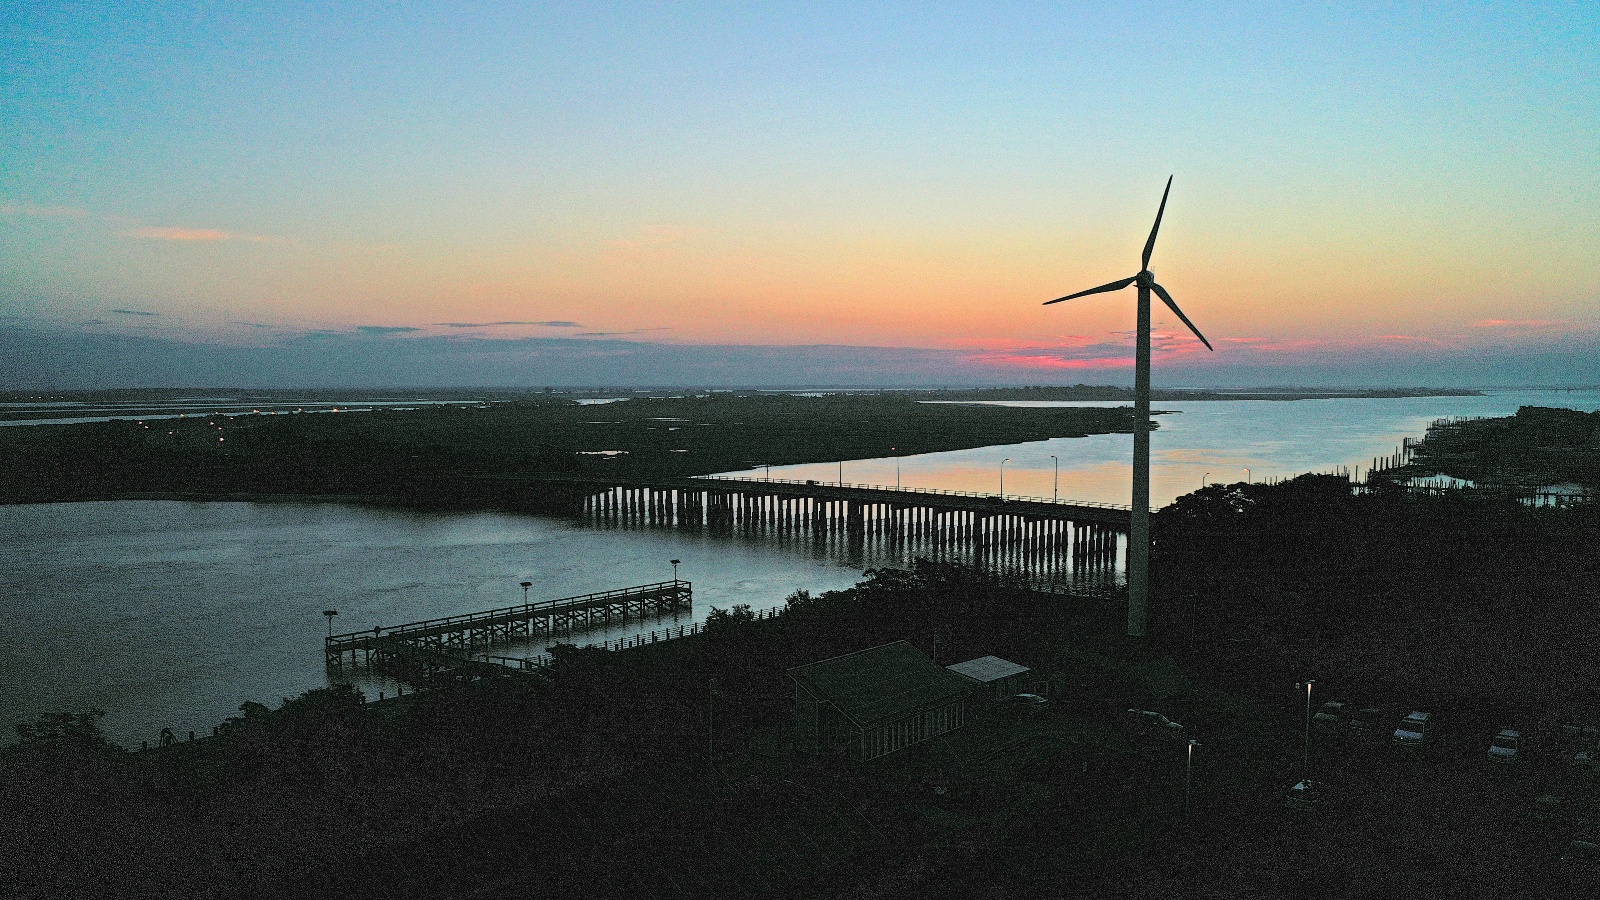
(1027, 535)
(1116, 516)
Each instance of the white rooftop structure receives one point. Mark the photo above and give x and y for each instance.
(986, 669)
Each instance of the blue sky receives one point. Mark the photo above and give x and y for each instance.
(1394, 191)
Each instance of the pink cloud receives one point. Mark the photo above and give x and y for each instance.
(196, 235)
(1042, 361)
(1409, 339)
(1515, 323)
(180, 234)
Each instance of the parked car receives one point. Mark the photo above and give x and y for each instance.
(1548, 807)
(1329, 716)
(1413, 732)
(1576, 735)
(1364, 720)
(1303, 794)
(1584, 846)
(1506, 746)
(1157, 722)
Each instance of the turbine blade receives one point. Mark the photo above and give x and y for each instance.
(1167, 299)
(1150, 245)
(1113, 286)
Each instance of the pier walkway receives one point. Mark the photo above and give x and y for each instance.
(451, 641)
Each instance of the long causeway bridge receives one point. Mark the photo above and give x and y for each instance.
(1026, 533)
(417, 650)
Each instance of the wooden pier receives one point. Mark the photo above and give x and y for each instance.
(432, 645)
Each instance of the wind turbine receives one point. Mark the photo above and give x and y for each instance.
(1139, 527)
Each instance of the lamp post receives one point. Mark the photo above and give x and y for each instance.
(1203, 479)
(525, 586)
(1247, 477)
(1003, 477)
(841, 473)
(330, 613)
(1188, 776)
(1055, 492)
(675, 569)
(1306, 761)
(711, 729)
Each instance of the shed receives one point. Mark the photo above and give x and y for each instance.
(992, 676)
(873, 702)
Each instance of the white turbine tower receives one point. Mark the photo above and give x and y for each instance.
(1139, 527)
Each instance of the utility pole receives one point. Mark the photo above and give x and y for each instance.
(1306, 761)
(1188, 776)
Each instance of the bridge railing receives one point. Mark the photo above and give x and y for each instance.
(522, 609)
(910, 490)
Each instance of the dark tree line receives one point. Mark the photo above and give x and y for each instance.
(1468, 600)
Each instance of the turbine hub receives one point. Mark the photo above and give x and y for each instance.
(1145, 278)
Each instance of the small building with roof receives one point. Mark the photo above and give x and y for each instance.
(873, 702)
(993, 677)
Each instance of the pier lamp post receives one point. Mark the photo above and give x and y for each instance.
(674, 569)
(841, 473)
(1306, 761)
(1055, 492)
(1188, 776)
(768, 474)
(1203, 479)
(330, 613)
(1247, 477)
(525, 586)
(1003, 477)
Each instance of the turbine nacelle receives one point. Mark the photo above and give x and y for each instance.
(1146, 279)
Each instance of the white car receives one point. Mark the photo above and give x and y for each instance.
(1304, 794)
(1504, 747)
(1157, 721)
(1330, 715)
(1413, 731)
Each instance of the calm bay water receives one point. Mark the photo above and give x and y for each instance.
(172, 614)
(1197, 442)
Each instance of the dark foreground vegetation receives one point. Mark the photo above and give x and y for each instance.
(1470, 602)
(668, 771)
(455, 454)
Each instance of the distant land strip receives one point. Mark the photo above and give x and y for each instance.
(452, 454)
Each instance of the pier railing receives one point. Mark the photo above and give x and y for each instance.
(338, 644)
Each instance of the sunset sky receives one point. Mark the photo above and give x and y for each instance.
(431, 194)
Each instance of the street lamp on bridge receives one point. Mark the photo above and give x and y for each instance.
(1003, 477)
